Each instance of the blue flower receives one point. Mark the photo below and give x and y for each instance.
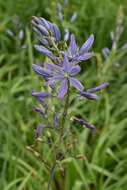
(46, 29)
(89, 94)
(63, 73)
(83, 54)
(61, 70)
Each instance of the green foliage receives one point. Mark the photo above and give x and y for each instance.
(101, 162)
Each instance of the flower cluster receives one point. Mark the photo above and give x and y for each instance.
(59, 72)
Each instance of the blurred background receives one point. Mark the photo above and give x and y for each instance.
(105, 166)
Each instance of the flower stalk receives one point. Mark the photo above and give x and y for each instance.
(65, 111)
(59, 76)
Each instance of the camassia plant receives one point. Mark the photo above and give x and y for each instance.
(58, 74)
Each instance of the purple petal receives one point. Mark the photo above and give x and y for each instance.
(89, 96)
(85, 124)
(37, 31)
(54, 68)
(43, 42)
(38, 110)
(66, 64)
(21, 35)
(44, 51)
(76, 84)
(124, 46)
(63, 89)
(41, 100)
(38, 131)
(45, 23)
(84, 57)
(87, 45)
(73, 45)
(75, 70)
(105, 52)
(41, 94)
(39, 70)
(34, 21)
(100, 87)
(89, 126)
(54, 79)
(56, 32)
(56, 120)
(40, 21)
(73, 17)
(42, 29)
(66, 34)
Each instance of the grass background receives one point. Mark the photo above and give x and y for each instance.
(105, 167)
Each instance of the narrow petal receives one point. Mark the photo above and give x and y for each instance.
(73, 17)
(55, 79)
(43, 42)
(56, 32)
(66, 34)
(39, 70)
(74, 82)
(56, 120)
(44, 22)
(87, 45)
(41, 94)
(39, 110)
(98, 88)
(75, 70)
(21, 35)
(43, 30)
(54, 68)
(40, 99)
(85, 123)
(44, 51)
(63, 89)
(105, 52)
(40, 21)
(38, 131)
(89, 126)
(85, 57)
(73, 45)
(89, 95)
(66, 64)
(37, 31)
(35, 20)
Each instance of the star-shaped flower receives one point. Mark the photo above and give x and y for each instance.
(83, 53)
(63, 73)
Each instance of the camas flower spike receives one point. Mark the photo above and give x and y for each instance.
(60, 70)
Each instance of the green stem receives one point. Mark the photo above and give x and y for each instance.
(51, 177)
(65, 111)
